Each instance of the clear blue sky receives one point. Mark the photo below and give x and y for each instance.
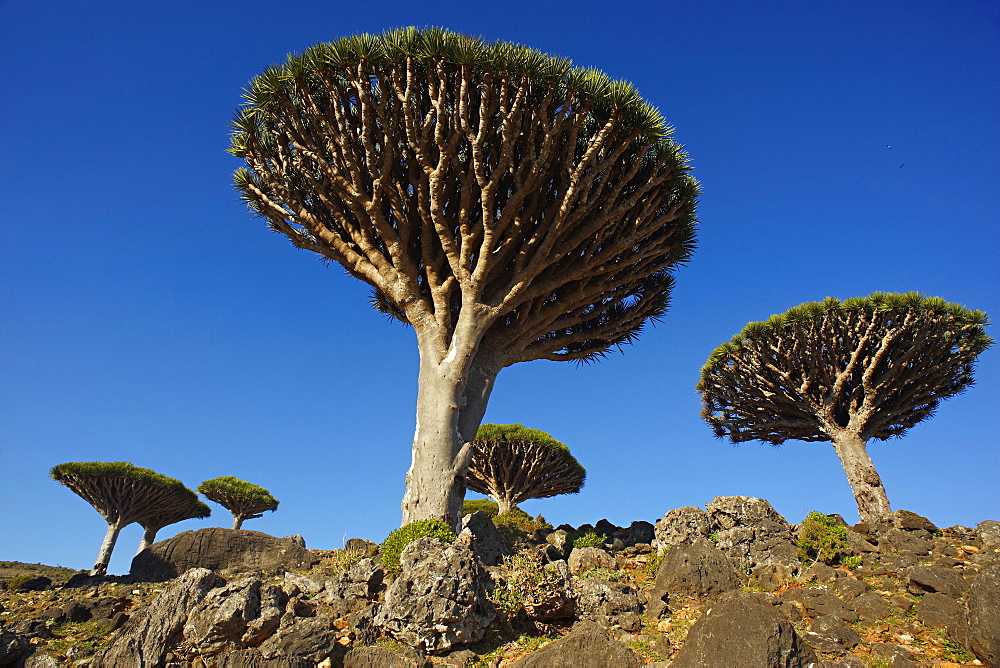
(147, 317)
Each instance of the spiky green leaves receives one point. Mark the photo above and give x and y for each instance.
(870, 366)
(243, 499)
(518, 432)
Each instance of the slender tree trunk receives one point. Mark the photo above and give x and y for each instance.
(451, 400)
(237, 521)
(873, 504)
(104, 555)
(148, 538)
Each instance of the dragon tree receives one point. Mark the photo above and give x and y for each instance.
(123, 494)
(845, 372)
(511, 463)
(243, 499)
(505, 204)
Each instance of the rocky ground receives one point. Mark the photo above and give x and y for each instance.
(720, 586)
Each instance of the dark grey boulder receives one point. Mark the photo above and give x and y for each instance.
(484, 538)
(240, 614)
(849, 588)
(910, 521)
(251, 658)
(938, 610)
(741, 630)
(151, 633)
(833, 630)
(13, 647)
(218, 549)
(314, 639)
(983, 605)
(354, 590)
(696, 570)
(928, 579)
(439, 599)
(381, 657)
(895, 541)
(896, 654)
(819, 601)
(640, 532)
(586, 646)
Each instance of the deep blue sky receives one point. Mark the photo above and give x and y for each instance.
(147, 317)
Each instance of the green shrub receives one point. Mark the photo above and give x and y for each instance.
(851, 562)
(586, 539)
(491, 508)
(822, 538)
(17, 581)
(395, 542)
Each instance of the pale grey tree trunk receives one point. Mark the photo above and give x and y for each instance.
(148, 538)
(104, 555)
(237, 521)
(504, 506)
(452, 393)
(873, 504)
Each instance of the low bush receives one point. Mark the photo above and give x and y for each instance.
(395, 542)
(491, 508)
(585, 539)
(822, 538)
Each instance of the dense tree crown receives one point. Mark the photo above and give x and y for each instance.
(123, 493)
(243, 499)
(505, 204)
(876, 365)
(445, 172)
(846, 372)
(512, 463)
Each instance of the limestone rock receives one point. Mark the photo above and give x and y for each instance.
(381, 657)
(741, 630)
(552, 598)
(751, 533)
(439, 598)
(238, 615)
(150, 633)
(583, 559)
(681, 525)
(218, 549)
(12, 647)
(314, 639)
(608, 604)
(818, 601)
(909, 521)
(354, 590)
(897, 540)
(938, 610)
(586, 646)
(486, 541)
(834, 629)
(251, 658)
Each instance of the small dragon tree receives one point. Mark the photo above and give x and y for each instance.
(123, 494)
(512, 463)
(244, 500)
(847, 372)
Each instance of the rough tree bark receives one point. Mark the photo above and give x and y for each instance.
(873, 503)
(107, 547)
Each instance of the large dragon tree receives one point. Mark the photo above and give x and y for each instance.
(512, 463)
(123, 494)
(846, 372)
(508, 206)
(243, 499)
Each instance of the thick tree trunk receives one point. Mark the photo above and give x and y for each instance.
(873, 504)
(104, 555)
(451, 400)
(148, 538)
(237, 521)
(504, 506)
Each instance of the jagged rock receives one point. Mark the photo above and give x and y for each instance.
(909, 521)
(937, 610)
(983, 604)
(640, 532)
(12, 647)
(42, 660)
(361, 626)
(439, 598)
(314, 639)
(681, 525)
(895, 540)
(218, 549)
(989, 534)
(607, 529)
(849, 588)
(926, 579)
(298, 539)
(741, 630)
(237, 615)
(355, 589)
(697, 569)
(834, 629)
(750, 532)
(897, 654)
(304, 583)
(40, 583)
(361, 545)
(585, 558)
(586, 646)
(30, 628)
(381, 657)
(559, 539)
(251, 658)
(818, 602)
(609, 604)
(150, 633)
(486, 541)
(553, 597)
(858, 544)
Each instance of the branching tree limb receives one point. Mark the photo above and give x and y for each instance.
(244, 500)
